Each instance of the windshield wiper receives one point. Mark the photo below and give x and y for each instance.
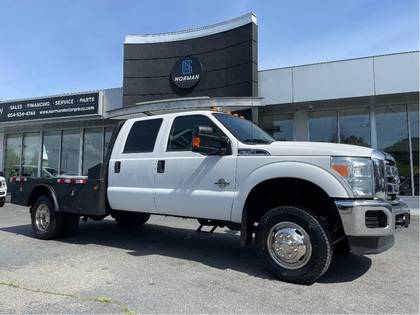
(256, 141)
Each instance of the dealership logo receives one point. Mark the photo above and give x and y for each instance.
(186, 72)
(187, 66)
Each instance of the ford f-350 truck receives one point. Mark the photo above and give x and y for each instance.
(299, 201)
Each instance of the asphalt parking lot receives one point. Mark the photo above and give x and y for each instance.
(166, 267)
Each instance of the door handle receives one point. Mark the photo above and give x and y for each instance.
(222, 183)
(117, 167)
(161, 166)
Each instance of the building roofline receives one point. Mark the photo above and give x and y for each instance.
(342, 60)
(184, 104)
(193, 32)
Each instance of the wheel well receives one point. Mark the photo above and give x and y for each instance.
(38, 192)
(292, 192)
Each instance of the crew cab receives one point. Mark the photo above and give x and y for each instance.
(299, 201)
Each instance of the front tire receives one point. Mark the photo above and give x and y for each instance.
(2, 202)
(46, 222)
(295, 246)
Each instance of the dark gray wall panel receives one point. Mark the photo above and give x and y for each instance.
(229, 61)
(234, 90)
(210, 80)
(192, 46)
(234, 55)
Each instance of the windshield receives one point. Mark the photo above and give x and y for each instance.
(244, 130)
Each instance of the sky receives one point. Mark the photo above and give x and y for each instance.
(51, 47)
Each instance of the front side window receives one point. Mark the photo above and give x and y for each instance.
(244, 130)
(142, 136)
(180, 136)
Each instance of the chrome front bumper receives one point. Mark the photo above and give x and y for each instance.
(367, 240)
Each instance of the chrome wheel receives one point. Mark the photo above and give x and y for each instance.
(42, 217)
(289, 245)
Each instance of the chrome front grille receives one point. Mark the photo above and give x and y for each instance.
(392, 178)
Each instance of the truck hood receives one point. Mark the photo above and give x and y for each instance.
(296, 148)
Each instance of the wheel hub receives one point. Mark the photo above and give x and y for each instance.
(42, 217)
(289, 245)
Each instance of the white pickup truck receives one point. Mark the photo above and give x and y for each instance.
(299, 201)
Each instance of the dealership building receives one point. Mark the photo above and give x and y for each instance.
(371, 101)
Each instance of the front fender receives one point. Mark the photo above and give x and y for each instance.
(332, 184)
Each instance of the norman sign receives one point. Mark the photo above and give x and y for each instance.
(186, 72)
(62, 106)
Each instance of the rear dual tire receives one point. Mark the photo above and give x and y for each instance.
(71, 224)
(50, 224)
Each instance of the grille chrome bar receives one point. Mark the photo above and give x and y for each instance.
(392, 178)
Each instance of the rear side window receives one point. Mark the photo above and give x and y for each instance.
(180, 136)
(142, 136)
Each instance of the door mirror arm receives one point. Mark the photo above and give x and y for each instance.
(225, 148)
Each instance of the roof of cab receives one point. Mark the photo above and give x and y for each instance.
(175, 114)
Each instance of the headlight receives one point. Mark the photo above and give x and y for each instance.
(358, 172)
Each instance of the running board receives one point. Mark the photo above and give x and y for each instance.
(200, 229)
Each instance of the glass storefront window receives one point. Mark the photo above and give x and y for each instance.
(280, 126)
(51, 154)
(323, 126)
(13, 155)
(70, 152)
(30, 156)
(60, 152)
(355, 126)
(413, 117)
(108, 134)
(392, 131)
(92, 148)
